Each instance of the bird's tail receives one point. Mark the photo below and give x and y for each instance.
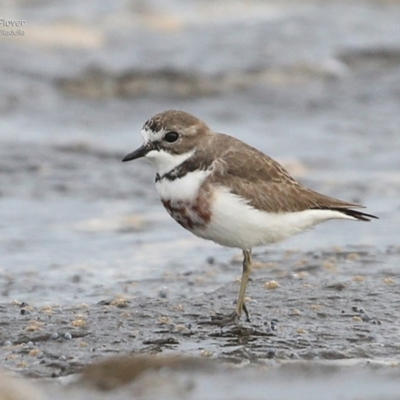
(356, 214)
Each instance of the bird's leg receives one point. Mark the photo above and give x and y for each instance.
(240, 306)
(234, 317)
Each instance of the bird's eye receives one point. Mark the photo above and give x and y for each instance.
(171, 137)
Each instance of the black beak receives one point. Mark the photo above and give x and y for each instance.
(138, 153)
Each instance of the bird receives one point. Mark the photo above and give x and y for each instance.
(222, 189)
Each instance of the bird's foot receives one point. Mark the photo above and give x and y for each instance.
(222, 320)
(225, 320)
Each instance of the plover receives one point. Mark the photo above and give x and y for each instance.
(221, 189)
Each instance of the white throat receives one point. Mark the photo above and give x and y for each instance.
(162, 160)
(166, 162)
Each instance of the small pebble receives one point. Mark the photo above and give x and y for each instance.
(270, 353)
(271, 325)
(389, 281)
(353, 256)
(180, 328)
(119, 302)
(34, 352)
(271, 285)
(7, 343)
(210, 260)
(329, 265)
(78, 323)
(67, 336)
(365, 318)
(22, 364)
(300, 275)
(54, 336)
(164, 320)
(62, 358)
(32, 328)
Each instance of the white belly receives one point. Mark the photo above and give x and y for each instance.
(183, 189)
(234, 223)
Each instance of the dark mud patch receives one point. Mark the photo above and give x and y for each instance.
(95, 83)
(377, 58)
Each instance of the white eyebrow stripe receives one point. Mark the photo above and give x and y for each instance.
(150, 136)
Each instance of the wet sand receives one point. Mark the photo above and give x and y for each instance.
(327, 306)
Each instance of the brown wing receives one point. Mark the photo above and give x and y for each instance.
(263, 181)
